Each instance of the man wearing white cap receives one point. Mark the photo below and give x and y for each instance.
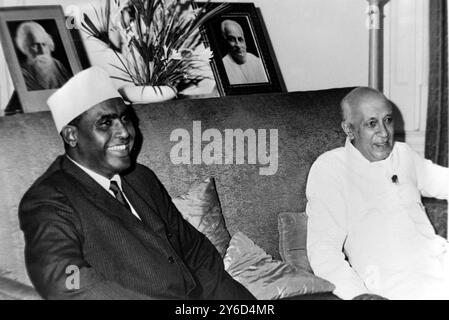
(99, 226)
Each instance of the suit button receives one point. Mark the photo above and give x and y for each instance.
(169, 235)
(171, 260)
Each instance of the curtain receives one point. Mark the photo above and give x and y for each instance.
(437, 112)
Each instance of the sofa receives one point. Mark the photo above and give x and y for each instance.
(252, 191)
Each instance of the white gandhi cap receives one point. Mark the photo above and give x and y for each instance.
(83, 91)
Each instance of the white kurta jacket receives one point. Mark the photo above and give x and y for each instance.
(252, 71)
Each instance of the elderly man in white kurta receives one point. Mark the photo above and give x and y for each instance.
(241, 66)
(368, 232)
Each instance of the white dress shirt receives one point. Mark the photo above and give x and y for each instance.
(105, 183)
(379, 221)
(252, 71)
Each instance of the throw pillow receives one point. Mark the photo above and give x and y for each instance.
(292, 227)
(200, 206)
(266, 278)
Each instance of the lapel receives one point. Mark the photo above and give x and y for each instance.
(141, 200)
(96, 194)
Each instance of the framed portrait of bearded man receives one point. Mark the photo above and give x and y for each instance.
(39, 52)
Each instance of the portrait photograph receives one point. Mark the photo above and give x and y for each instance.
(39, 52)
(239, 52)
(43, 61)
(242, 62)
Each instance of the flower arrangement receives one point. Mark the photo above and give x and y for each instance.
(157, 42)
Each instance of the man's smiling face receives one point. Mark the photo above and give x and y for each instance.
(105, 138)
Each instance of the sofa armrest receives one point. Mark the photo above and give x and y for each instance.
(437, 213)
(14, 290)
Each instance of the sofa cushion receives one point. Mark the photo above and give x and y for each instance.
(200, 206)
(265, 277)
(292, 228)
(307, 124)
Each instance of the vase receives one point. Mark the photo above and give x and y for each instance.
(147, 94)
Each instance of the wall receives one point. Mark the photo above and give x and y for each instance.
(318, 43)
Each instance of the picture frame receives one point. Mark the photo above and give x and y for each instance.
(35, 75)
(236, 70)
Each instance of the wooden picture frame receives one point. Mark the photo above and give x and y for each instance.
(236, 70)
(34, 87)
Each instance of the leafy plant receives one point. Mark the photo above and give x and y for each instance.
(101, 31)
(160, 39)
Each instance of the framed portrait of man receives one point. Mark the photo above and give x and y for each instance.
(39, 52)
(242, 62)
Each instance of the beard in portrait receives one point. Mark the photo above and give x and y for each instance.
(40, 69)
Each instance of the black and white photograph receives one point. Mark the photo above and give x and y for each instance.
(42, 60)
(242, 62)
(224, 159)
(242, 66)
(39, 52)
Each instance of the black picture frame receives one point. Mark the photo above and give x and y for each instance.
(52, 20)
(234, 78)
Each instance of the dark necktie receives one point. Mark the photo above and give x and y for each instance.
(119, 195)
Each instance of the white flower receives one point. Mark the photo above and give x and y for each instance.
(117, 14)
(175, 55)
(183, 54)
(186, 53)
(203, 54)
(190, 14)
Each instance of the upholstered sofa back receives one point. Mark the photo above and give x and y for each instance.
(300, 125)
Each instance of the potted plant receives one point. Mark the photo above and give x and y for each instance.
(157, 43)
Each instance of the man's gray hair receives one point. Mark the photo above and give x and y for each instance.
(23, 40)
(355, 97)
(226, 23)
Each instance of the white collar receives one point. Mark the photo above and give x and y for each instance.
(101, 180)
(105, 182)
(355, 154)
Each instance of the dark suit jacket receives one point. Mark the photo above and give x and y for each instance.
(68, 219)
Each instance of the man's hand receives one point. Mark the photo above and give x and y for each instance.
(368, 296)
